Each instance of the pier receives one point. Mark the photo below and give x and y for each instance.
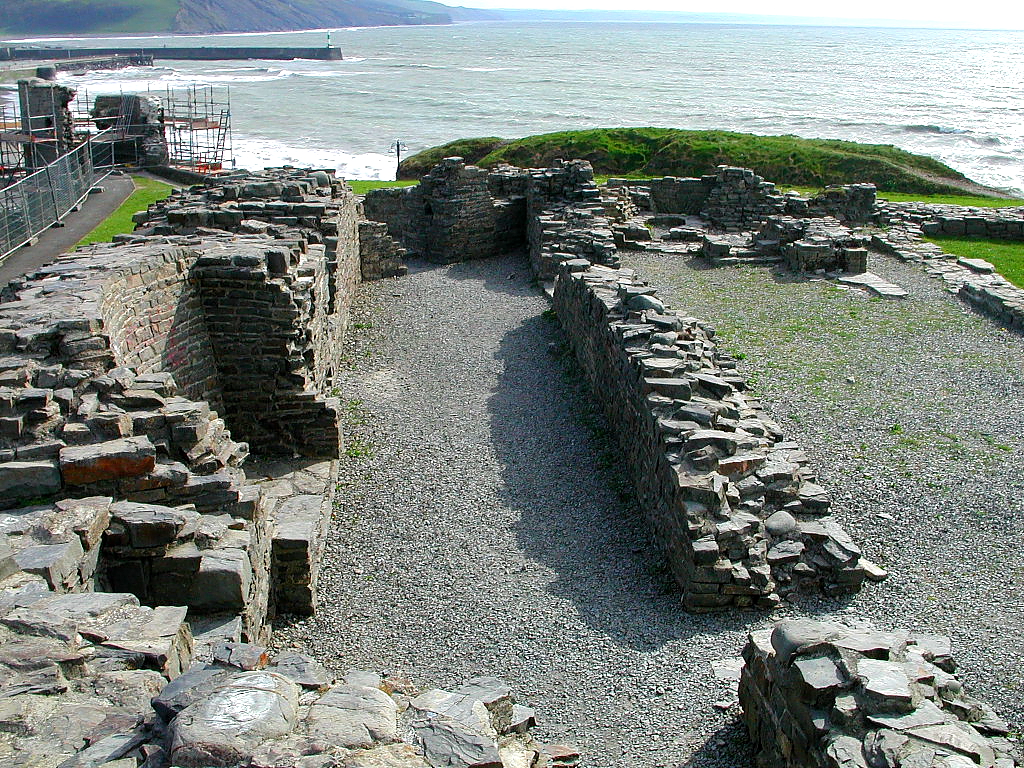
(53, 55)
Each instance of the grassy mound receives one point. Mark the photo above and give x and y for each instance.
(641, 152)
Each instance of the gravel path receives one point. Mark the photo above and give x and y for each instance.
(480, 531)
(481, 536)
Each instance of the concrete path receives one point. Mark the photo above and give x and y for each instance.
(479, 532)
(57, 240)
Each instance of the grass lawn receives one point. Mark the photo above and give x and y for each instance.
(897, 197)
(1007, 257)
(970, 200)
(361, 187)
(120, 222)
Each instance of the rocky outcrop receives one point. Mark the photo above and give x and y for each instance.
(818, 695)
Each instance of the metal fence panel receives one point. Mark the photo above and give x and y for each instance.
(40, 200)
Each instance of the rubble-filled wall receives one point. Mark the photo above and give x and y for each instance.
(567, 219)
(818, 695)
(457, 212)
(735, 507)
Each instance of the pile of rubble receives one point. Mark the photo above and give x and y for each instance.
(817, 694)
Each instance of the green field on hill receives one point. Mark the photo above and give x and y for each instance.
(643, 152)
(88, 16)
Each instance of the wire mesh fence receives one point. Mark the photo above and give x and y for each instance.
(41, 199)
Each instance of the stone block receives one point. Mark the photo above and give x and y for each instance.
(223, 582)
(57, 563)
(226, 727)
(112, 460)
(353, 716)
(21, 480)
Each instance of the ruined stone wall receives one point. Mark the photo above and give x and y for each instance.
(740, 199)
(457, 212)
(680, 195)
(735, 507)
(976, 281)
(379, 254)
(957, 220)
(154, 316)
(817, 694)
(567, 219)
(267, 319)
(284, 292)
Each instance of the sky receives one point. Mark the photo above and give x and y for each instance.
(988, 14)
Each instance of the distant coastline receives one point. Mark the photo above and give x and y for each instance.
(191, 17)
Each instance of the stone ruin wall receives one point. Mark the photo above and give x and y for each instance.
(820, 695)
(973, 280)
(134, 383)
(735, 507)
(154, 316)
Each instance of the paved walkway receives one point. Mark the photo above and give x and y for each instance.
(482, 535)
(57, 240)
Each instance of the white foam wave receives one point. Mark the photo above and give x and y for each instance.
(251, 152)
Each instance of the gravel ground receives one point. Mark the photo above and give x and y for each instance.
(481, 529)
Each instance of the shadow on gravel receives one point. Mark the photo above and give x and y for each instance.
(508, 282)
(729, 745)
(576, 515)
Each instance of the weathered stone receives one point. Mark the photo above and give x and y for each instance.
(113, 460)
(192, 686)
(388, 756)
(821, 694)
(27, 480)
(226, 727)
(306, 671)
(353, 716)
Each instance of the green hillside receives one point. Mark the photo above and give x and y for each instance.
(33, 17)
(21, 17)
(641, 152)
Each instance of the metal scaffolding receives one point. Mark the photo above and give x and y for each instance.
(197, 124)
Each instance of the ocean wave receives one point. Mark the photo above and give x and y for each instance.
(253, 153)
(937, 129)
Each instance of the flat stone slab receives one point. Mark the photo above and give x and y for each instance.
(876, 285)
(112, 460)
(980, 266)
(353, 716)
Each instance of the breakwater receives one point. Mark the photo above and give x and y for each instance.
(205, 53)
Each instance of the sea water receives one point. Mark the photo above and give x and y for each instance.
(955, 95)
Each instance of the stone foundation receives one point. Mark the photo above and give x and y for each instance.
(735, 507)
(974, 280)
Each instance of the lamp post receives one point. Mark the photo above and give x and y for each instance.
(397, 148)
